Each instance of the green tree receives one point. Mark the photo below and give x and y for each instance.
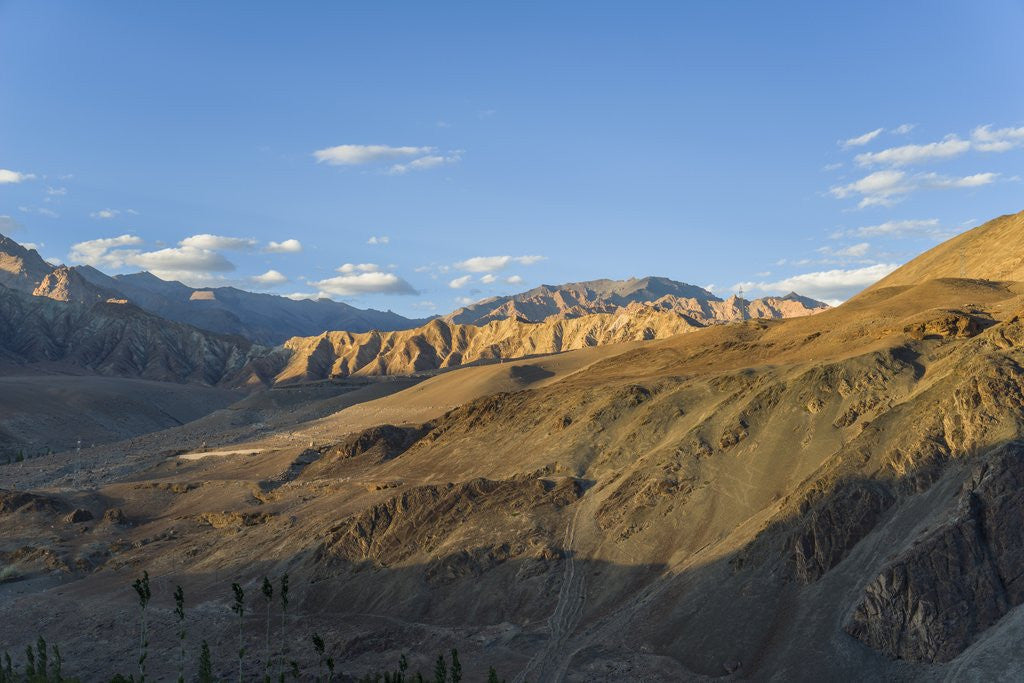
(239, 608)
(440, 670)
(205, 664)
(492, 676)
(41, 667)
(268, 597)
(284, 623)
(141, 587)
(30, 663)
(56, 665)
(456, 674)
(179, 613)
(318, 645)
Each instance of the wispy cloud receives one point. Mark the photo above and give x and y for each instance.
(207, 241)
(898, 229)
(355, 284)
(490, 264)
(378, 239)
(885, 188)
(906, 155)
(290, 246)
(426, 162)
(831, 286)
(346, 268)
(270, 278)
(1001, 140)
(353, 155)
(861, 140)
(9, 177)
(460, 282)
(107, 214)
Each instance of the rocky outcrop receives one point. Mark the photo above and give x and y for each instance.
(440, 344)
(934, 599)
(420, 519)
(829, 530)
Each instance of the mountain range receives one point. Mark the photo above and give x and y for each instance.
(833, 496)
(322, 339)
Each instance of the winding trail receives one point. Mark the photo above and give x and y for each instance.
(547, 664)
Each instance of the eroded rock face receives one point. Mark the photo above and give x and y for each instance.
(830, 530)
(933, 600)
(421, 519)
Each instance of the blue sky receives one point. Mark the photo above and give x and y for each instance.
(492, 147)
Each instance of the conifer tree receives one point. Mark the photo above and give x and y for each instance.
(440, 670)
(205, 664)
(141, 587)
(179, 612)
(239, 608)
(268, 597)
(456, 674)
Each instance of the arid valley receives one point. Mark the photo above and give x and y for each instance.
(530, 342)
(685, 499)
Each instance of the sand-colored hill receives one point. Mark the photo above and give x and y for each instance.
(992, 251)
(68, 285)
(440, 344)
(20, 268)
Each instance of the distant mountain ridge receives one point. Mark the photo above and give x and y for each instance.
(116, 340)
(576, 299)
(263, 318)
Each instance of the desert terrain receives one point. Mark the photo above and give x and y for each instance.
(825, 497)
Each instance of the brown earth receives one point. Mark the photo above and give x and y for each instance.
(832, 497)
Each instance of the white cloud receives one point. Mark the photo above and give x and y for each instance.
(514, 280)
(56, 191)
(460, 282)
(347, 268)
(885, 188)
(287, 247)
(32, 245)
(112, 213)
(426, 162)
(853, 251)
(904, 128)
(464, 300)
(896, 229)
(180, 260)
(211, 242)
(988, 140)
(488, 279)
(381, 239)
(351, 155)
(488, 264)
(861, 139)
(300, 296)
(189, 264)
(104, 251)
(270, 278)
(9, 177)
(364, 283)
(905, 155)
(976, 180)
(832, 286)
